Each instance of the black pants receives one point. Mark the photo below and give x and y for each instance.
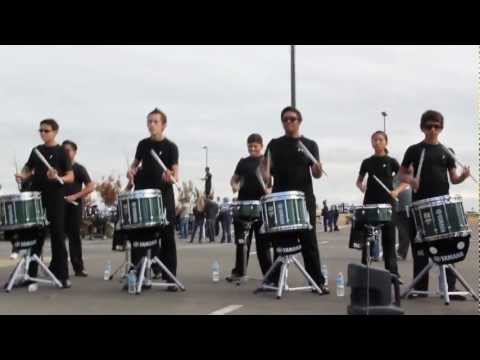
(210, 229)
(166, 251)
(198, 225)
(226, 228)
(73, 218)
(262, 244)
(54, 203)
(401, 219)
(309, 244)
(421, 261)
(389, 252)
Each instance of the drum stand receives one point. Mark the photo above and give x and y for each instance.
(21, 271)
(373, 234)
(247, 226)
(443, 285)
(145, 274)
(127, 264)
(286, 258)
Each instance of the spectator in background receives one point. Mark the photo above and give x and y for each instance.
(325, 216)
(335, 215)
(211, 212)
(226, 216)
(199, 219)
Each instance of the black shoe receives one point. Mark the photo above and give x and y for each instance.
(324, 289)
(66, 284)
(24, 284)
(81, 273)
(233, 278)
(172, 289)
(457, 297)
(417, 296)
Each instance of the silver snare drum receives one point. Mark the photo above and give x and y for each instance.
(285, 212)
(141, 209)
(21, 211)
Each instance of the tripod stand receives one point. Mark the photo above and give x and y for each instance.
(23, 266)
(145, 274)
(247, 226)
(287, 258)
(127, 263)
(443, 284)
(373, 233)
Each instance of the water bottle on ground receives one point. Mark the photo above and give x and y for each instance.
(325, 274)
(216, 272)
(108, 271)
(132, 282)
(340, 285)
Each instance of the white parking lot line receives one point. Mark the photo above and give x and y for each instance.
(226, 310)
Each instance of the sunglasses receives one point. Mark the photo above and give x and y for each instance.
(44, 131)
(289, 119)
(432, 126)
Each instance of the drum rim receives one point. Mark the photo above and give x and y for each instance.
(286, 195)
(438, 199)
(23, 226)
(246, 203)
(30, 195)
(285, 228)
(454, 235)
(140, 194)
(143, 225)
(373, 206)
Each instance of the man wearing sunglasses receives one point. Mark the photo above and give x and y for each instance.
(53, 193)
(433, 182)
(292, 171)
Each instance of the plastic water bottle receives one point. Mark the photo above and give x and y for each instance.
(132, 282)
(216, 271)
(340, 285)
(325, 274)
(108, 271)
(33, 288)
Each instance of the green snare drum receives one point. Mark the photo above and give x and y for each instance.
(141, 209)
(373, 215)
(21, 211)
(249, 211)
(285, 212)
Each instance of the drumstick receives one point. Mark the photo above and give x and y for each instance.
(384, 187)
(49, 167)
(420, 167)
(160, 162)
(457, 161)
(15, 163)
(260, 179)
(304, 149)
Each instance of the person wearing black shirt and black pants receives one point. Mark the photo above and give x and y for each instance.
(292, 171)
(246, 183)
(75, 193)
(437, 167)
(153, 177)
(384, 168)
(53, 193)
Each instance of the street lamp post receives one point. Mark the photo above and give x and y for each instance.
(384, 114)
(293, 76)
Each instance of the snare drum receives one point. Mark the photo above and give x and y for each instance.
(374, 215)
(285, 212)
(249, 211)
(440, 218)
(22, 211)
(141, 209)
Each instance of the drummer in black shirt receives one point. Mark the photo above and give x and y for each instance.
(437, 167)
(384, 168)
(75, 193)
(53, 193)
(293, 171)
(153, 177)
(246, 183)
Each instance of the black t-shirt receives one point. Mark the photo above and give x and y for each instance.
(151, 175)
(291, 168)
(211, 209)
(81, 178)
(247, 170)
(57, 158)
(383, 167)
(208, 183)
(434, 177)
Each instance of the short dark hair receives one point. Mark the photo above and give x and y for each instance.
(71, 143)
(159, 112)
(292, 109)
(432, 116)
(50, 122)
(255, 139)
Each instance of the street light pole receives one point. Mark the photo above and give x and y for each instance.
(384, 114)
(293, 76)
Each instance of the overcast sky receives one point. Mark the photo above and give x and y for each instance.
(218, 95)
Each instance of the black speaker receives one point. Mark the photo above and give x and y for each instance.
(379, 285)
